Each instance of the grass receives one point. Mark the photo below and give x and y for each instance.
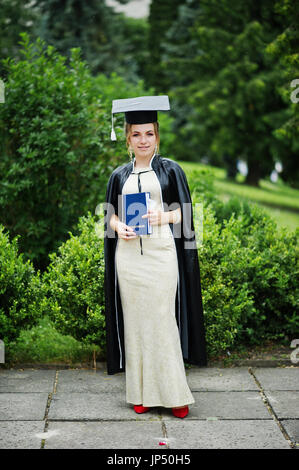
(44, 344)
(278, 199)
(269, 350)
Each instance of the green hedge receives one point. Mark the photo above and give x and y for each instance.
(250, 270)
(20, 290)
(243, 247)
(249, 273)
(223, 300)
(73, 285)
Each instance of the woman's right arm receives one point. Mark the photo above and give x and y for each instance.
(124, 231)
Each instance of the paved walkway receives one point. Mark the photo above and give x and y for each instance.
(235, 408)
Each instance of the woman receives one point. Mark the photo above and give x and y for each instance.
(154, 317)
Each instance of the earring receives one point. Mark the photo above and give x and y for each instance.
(130, 152)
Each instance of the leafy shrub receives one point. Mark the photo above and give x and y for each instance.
(201, 185)
(43, 343)
(72, 285)
(235, 206)
(54, 152)
(267, 262)
(250, 278)
(20, 293)
(224, 301)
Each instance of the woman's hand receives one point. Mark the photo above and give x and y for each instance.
(157, 217)
(125, 231)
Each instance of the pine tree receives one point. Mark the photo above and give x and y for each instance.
(162, 15)
(285, 50)
(94, 27)
(16, 17)
(226, 84)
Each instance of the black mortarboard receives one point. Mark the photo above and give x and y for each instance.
(140, 110)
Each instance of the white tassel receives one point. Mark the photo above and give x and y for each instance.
(113, 135)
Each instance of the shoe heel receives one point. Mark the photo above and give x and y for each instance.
(140, 409)
(181, 412)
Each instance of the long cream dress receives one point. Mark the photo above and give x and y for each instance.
(155, 373)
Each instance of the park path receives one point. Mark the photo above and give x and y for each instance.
(235, 408)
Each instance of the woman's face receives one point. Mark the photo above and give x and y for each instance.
(143, 140)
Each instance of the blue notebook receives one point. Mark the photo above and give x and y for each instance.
(135, 205)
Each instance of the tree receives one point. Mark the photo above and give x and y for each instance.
(16, 17)
(284, 49)
(162, 15)
(135, 32)
(93, 27)
(225, 95)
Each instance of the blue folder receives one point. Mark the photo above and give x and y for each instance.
(135, 205)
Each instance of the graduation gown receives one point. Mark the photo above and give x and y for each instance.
(189, 308)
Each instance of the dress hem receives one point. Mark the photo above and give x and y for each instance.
(163, 406)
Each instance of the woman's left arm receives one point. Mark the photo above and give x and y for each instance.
(158, 217)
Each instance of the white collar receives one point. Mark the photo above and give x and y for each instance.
(150, 163)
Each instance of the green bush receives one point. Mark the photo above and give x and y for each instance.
(234, 206)
(44, 344)
(267, 261)
(72, 285)
(250, 278)
(201, 185)
(20, 292)
(55, 145)
(244, 249)
(224, 301)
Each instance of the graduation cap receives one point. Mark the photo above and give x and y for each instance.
(140, 110)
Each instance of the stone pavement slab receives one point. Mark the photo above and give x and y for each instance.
(27, 380)
(89, 381)
(104, 435)
(249, 434)
(224, 405)
(292, 428)
(21, 434)
(285, 378)
(217, 379)
(88, 409)
(94, 406)
(285, 404)
(23, 406)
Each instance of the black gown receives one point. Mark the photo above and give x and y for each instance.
(189, 309)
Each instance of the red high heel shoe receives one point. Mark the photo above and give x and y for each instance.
(140, 409)
(180, 412)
